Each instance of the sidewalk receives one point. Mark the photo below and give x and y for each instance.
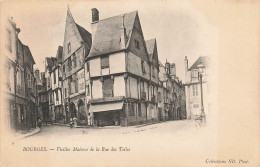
(92, 127)
(29, 133)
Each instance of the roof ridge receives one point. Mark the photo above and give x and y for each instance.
(118, 15)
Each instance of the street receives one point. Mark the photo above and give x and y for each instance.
(174, 139)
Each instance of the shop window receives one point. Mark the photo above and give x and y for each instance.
(139, 110)
(131, 109)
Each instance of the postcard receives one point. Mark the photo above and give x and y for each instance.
(130, 83)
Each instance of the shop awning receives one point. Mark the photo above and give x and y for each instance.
(106, 107)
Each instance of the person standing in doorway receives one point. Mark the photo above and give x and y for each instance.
(89, 120)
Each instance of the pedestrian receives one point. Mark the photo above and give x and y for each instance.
(39, 123)
(92, 120)
(74, 121)
(71, 122)
(89, 119)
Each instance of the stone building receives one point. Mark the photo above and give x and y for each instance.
(121, 76)
(192, 87)
(76, 47)
(171, 93)
(20, 87)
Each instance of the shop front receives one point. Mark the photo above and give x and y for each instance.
(106, 114)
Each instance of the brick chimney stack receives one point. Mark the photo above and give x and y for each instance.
(95, 15)
(94, 24)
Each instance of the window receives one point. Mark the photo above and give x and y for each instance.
(195, 106)
(104, 62)
(88, 90)
(131, 109)
(8, 44)
(88, 66)
(194, 73)
(137, 44)
(108, 88)
(142, 64)
(69, 64)
(54, 76)
(65, 92)
(139, 110)
(57, 96)
(76, 86)
(64, 68)
(159, 97)
(195, 90)
(153, 72)
(69, 47)
(74, 60)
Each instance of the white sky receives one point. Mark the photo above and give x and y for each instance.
(179, 29)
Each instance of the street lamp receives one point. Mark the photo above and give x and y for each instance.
(201, 71)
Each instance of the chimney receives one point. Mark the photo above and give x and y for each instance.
(173, 69)
(123, 33)
(186, 64)
(94, 24)
(95, 15)
(167, 67)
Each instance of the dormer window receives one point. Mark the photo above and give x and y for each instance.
(69, 47)
(137, 44)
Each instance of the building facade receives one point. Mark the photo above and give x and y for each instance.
(193, 90)
(56, 85)
(49, 64)
(76, 46)
(121, 77)
(20, 87)
(171, 94)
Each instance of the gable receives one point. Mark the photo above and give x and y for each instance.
(71, 36)
(155, 57)
(137, 35)
(151, 46)
(108, 34)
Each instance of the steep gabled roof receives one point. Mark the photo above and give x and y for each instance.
(160, 64)
(203, 59)
(150, 44)
(152, 52)
(108, 34)
(59, 54)
(27, 49)
(86, 36)
(51, 62)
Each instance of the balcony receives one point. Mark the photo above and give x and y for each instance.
(143, 95)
